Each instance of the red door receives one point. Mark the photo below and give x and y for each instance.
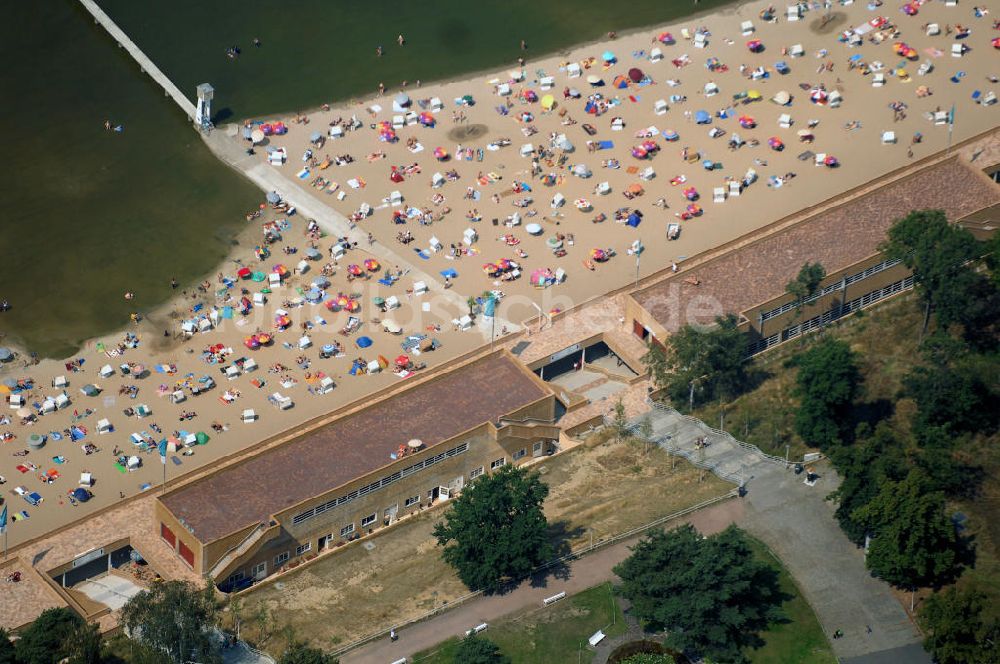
(168, 535)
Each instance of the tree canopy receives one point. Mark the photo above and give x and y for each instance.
(496, 531)
(914, 543)
(7, 650)
(955, 629)
(177, 618)
(711, 594)
(45, 641)
(826, 385)
(299, 652)
(649, 658)
(479, 650)
(712, 360)
(806, 284)
(936, 251)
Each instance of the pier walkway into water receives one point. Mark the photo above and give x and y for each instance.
(145, 64)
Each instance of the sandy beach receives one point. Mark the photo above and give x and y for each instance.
(207, 333)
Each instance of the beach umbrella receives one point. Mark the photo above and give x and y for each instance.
(533, 229)
(608, 56)
(702, 117)
(391, 326)
(665, 38)
(313, 253)
(782, 98)
(257, 136)
(426, 119)
(639, 152)
(280, 269)
(635, 74)
(599, 255)
(670, 135)
(996, 42)
(553, 242)
(548, 101)
(244, 273)
(6, 355)
(574, 93)
(468, 100)
(35, 440)
(314, 295)
(490, 268)
(371, 265)
(80, 494)
(328, 349)
(818, 96)
(747, 122)
(650, 146)
(201, 437)
(402, 361)
(621, 82)
(690, 193)
(582, 171)
(273, 197)
(440, 153)
(753, 95)
(529, 96)
(831, 161)
(321, 282)
(402, 99)
(315, 137)
(564, 143)
(363, 342)
(539, 276)
(634, 219)
(775, 144)
(355, 270)
(755, 46)
(595, 80)
(526, 116)
(90, 390)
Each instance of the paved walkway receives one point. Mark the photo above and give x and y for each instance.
(581, 574)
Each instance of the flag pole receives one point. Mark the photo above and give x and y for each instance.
(951, 127)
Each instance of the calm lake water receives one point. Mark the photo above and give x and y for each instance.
(91, 214)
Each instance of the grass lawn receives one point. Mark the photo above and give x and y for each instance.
(550, 634)
(800, 640)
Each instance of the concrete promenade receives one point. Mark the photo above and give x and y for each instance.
(145, 64)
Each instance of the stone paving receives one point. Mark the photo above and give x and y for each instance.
(20, 601)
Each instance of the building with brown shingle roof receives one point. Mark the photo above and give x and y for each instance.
(750, 280)
(368, 467)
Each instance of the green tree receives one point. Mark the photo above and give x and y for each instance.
(955, 629)
(699, 364)
(914, 543)
(619, 422)
(479, 650)
(496, 530)
(826, 386)
(7, 650)
(937, 252)
(865, 467)
(302, 653)
(45, 640)
(806, 284)
(175, 617)
(84, 645)
(950, 399)
(710, 593)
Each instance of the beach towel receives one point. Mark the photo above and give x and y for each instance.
(55, 435)
(176, 460)
(227, 312)
(19, 516)
(121, 468)
(605, 145)
(145, 487)
(449, 272)
(422, 253)
(303, 174)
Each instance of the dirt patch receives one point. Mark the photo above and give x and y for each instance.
(468, 132)
(608, 489)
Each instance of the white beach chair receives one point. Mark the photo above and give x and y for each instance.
(793, 13)
(573, 70)
(603, 189)
(700, 40)
(419, 287)
(989, 98)
(437, 180)
(435, 244)
(878, 80)
(835, 99)
(560, 275)
(957, 50)
(59, 382)
(396, 198)
(325, 385)
(784, 121)
(558, 201)
(660, 107)
(546, 82)
(232, 372)
(797, 51)
(465, 323)
(249, 416)
(391, 302)
(503, 90)
(647, 174)
(718, 195)
(734, 188)
(711, 89)
(527, 150)
(933, 29)
(336, 132)
(819, 158)
(655, 55)
(436, 104)
(746, 28)
(888, 137)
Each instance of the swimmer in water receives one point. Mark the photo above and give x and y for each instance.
(256, 42)
(378, 51)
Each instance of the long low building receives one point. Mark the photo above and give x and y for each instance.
(750, 280)
(371, 465)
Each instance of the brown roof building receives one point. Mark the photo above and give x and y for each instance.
(750, 280)
(360, 470)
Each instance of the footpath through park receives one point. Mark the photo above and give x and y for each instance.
(793, 519)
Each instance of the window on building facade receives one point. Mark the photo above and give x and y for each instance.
(236, 577)
(496, 464)
(520, 454)
(259, 570)
(299, 550)
(347, 530)
(411, 501)
(368, 520)
(476, 473)
(281, 558)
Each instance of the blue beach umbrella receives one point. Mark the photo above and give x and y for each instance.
(363, 342)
